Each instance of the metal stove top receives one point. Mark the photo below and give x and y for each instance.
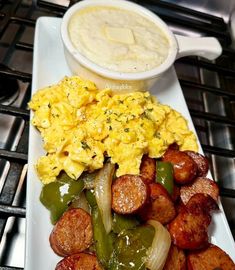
(209, 89)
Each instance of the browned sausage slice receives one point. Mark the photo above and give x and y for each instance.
(188, 230)
(160, 207)
(210, 258)
(72, 233)
(201, 203)
(80, 261)
(201, 161)
(176, 259)
(199, 185)
(129, 194)
(173, 146)
(176, 194)
(185, 169)
(148, 169)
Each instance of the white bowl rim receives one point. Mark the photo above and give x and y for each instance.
(123, 4)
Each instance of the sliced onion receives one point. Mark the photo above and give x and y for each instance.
(158, 252)
(103, 182)
(81, 202)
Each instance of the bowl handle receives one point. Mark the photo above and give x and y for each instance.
(207, 47)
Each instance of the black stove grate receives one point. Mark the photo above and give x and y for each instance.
(22, 16)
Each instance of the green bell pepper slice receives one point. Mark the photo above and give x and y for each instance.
(56, 196)
(123, 222)
(131, 247)
(103, 242)
(165, 175)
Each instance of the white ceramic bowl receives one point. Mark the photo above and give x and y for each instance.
(207, 47)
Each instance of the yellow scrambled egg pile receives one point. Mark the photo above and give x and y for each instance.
(81, 125)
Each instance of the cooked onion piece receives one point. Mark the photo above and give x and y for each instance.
(158, 252)
(81, 202)
(103, 182)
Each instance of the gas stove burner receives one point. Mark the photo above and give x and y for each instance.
(9, 88)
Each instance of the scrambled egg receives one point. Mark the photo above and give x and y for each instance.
(80, 126)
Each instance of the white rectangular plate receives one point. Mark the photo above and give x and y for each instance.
(49, 67)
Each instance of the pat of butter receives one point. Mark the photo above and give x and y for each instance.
(119, 34)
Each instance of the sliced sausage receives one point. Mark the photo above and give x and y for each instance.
(201, 203)
(188, 230)
(160, 207)
(180, 207)
(201, 161)
(185, 169)
(211, 258)
(80, 261)
(176, 194)
(176, 259)
(173, 146)
(199, 185)
(72, 233)
(148, 169)
(157, 189)
(129, 194)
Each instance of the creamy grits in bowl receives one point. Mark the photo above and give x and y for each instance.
(118, 39)
(123, 46)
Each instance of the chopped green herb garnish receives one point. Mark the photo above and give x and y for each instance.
(144, 115)
(85, 145)
(157, 135)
